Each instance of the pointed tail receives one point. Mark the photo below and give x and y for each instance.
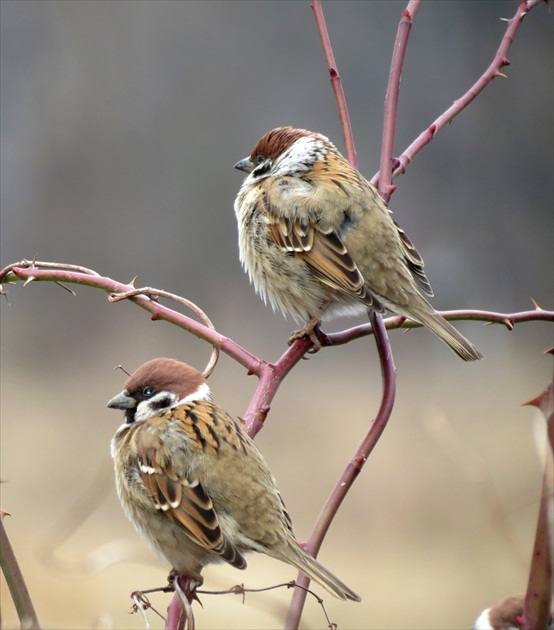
(302, 560)
(447, 333)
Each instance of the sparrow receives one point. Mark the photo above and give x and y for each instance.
(194, 484)
(317, 240)
(506, 615)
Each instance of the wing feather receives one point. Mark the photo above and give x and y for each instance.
(326, 255)
(414, 261)
(185, 501)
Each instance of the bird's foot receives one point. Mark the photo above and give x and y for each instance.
(311, 330)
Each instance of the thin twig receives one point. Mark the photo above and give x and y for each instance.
(391, 98)
(509, 320)
(141, 604)
(270, 375)
(336, 82)
(68, 273)
(459, 105)
(155, 294)
(387, 364)
(186, 605)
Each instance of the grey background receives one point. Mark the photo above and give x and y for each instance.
(120, 125)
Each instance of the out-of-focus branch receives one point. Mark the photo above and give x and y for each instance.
(538, 600)
(336, 82)
(16, 582)
(459, 105)
(391, 99)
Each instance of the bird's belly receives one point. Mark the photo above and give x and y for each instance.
(283, 279)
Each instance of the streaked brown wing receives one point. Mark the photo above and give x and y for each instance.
(323, 251)
(330, 261)
(414, 261)
(291, 235)
(185, 501)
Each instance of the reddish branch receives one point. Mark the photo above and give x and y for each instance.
(391, 99)
(271, 375)
(336, 82)
(500, 60)
(354, 467)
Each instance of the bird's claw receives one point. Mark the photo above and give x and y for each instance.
(311, 330)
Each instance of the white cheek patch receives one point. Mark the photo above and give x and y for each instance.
(300, 157)
(144, 411)
(202, 393)
(155, 406)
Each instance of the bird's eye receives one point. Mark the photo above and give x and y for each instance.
(148, 391)
(259, 159)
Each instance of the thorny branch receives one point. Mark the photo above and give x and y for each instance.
(336, 82)
(355, 465)
(271, 375)
(391, 99)
(142, 603)
(500, 60)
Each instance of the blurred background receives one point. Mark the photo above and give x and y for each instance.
(121, 122)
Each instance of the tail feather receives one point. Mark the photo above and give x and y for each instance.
(302, 560)
(447, 333)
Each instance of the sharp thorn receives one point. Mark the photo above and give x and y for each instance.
(120, 367)
(508, 324)
(66, 288)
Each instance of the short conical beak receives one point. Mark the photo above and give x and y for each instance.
(245, 165)
(122, 401)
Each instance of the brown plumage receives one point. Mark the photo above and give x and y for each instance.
(317, 240)
(194, 484)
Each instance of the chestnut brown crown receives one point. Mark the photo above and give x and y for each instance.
(275, 142)
(165, 375)
(159, 385)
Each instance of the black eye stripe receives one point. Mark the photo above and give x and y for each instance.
(162, 403)
(262, 169)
